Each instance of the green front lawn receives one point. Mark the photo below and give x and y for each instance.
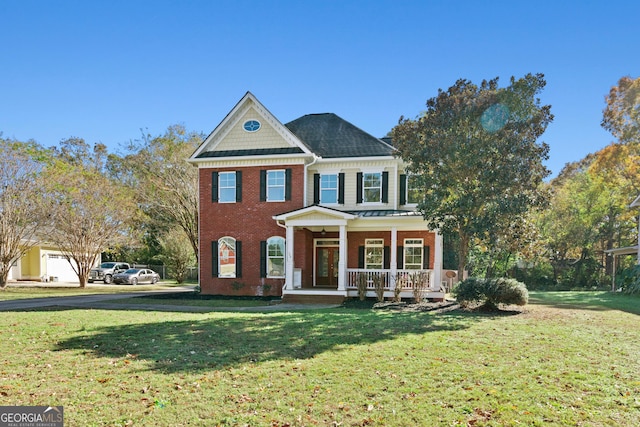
(13, 292)
(568, 359)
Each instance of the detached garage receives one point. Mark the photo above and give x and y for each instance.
(58, 268)
(43, 263)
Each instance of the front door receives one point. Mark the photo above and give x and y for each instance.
(327, 266)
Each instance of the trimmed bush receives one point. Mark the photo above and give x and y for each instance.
(491, 292)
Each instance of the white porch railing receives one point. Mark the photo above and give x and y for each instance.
(403, 278)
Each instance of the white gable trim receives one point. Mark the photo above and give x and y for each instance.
(248, 101)
(314, 209)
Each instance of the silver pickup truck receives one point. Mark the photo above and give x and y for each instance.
(105, 272)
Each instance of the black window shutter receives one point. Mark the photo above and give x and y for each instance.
(238, 258)
(386, 261)
(385, 187)
(403, 189)
(214, 187)
(360, 256)
(316, 188)
(341, 188)
(214, 258)
(263, 186)
(400, 263)
(425, 257)
(359, 187)
(263, 258)
(287, 184)
(238, 186)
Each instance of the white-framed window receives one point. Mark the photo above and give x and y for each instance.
(414, 192)
(227, 187)
(276, 181)
(371, 187)
(374, 254)
(275, 256)
(226, 257)
(329, 189)
(413, 254)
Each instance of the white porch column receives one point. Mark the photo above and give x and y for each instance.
(394, 256)
(342, 261)
(437, 260)
(613, 276)
(288, 279)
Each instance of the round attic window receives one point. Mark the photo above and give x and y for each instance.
(251, 125)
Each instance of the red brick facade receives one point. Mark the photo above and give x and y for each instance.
(250, 222)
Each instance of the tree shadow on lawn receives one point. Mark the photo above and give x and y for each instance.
(226, 341)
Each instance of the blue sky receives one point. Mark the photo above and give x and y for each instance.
(104, 70)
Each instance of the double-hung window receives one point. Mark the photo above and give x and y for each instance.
(226, 187)
(372, 187)
(329, 189)
(413, 254)
(414, 192)
(275, 257)
(275, 185)
(374, 254)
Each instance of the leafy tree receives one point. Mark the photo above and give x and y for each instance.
(621, 116)
(589, 214)
(475, 153)
(570, 222)
(177, 253)
(166, 186)
(90, 212)
(23, 212)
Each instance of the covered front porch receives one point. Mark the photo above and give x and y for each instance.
(326, 257)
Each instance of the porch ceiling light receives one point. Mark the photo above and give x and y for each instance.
(323, 232)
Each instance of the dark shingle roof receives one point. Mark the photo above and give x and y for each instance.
(254, 152)
(330, 136)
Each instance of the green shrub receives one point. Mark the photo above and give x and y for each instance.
(629, 280)
(491, 292)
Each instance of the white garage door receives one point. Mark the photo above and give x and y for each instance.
(58, 266)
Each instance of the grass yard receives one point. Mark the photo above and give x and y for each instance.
(568, 359)
(44, 291)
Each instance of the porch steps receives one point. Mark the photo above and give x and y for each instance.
(312, 299)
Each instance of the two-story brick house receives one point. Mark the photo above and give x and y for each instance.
(308, 210)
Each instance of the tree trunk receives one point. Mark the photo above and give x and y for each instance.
(4, 274)
(463, 253)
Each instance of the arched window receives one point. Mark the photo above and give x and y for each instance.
(275, 256)
(226, 257)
